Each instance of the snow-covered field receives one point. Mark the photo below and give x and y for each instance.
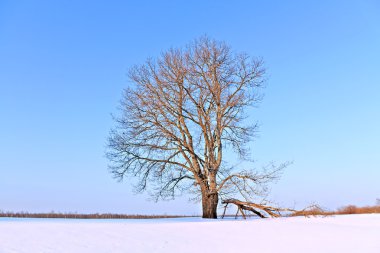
(346, 233)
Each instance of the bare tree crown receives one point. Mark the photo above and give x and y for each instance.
(182, 112)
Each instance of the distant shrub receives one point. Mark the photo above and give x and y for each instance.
(350, 209)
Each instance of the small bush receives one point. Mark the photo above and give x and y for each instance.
(350, 209)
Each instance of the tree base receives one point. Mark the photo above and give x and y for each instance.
(209, 206)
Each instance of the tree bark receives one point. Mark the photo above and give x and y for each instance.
(209, 205)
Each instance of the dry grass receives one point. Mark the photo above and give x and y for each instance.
(350, 209)
(85, 216)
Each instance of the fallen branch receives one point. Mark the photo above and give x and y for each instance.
(264, 211)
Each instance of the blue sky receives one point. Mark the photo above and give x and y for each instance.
(63, 66)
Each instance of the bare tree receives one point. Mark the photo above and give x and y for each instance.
(182, 113)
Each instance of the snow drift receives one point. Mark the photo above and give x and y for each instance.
(345, 233)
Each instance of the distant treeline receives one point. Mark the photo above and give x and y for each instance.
(350, 209)
(85, 216)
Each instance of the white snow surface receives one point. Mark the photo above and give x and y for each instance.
(345, 233)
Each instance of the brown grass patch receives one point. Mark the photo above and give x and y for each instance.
(352, 209)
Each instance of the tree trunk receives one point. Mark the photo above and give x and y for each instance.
(209, 205)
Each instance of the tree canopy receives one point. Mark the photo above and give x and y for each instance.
(182, 113)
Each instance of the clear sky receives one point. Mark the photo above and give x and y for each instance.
(63, 66)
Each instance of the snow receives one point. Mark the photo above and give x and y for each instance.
(345, 233)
